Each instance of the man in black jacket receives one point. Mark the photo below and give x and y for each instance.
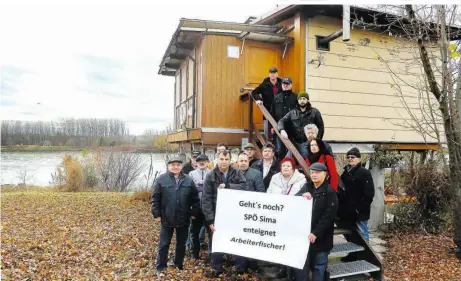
(299, 117)
(324, 210)
(269, 165)
(174, 202)
(266, 91)
(355, 203)
(284, 102)
(222, 176)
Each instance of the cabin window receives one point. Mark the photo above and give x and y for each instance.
(322, 46)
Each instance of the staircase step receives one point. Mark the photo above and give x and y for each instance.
(351, 268)
(344, 248)
(340, 231)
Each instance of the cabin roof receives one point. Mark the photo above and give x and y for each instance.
(378, 21)
(190, 31)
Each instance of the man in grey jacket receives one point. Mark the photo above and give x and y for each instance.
(197, 226)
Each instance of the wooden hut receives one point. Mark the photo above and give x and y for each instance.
(346, 78)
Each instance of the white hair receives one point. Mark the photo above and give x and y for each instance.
(313, 127)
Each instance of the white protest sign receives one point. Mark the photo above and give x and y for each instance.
(263, 226)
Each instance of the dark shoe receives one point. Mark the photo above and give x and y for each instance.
(282, 273)
(159, 272)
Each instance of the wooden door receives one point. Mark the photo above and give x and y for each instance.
(259, 58)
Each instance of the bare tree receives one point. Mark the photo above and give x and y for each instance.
(432, 34)
(118, 171)
(24, 177)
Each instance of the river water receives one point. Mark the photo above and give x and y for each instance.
(40, 165)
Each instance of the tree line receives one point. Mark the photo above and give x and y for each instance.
(66, 131)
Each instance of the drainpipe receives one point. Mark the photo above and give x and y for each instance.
(345, 32)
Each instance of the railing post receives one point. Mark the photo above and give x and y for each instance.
(250, 119)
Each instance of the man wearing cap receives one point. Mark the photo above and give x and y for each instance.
(175, 201)
(355, 203)
(299, 117)
(269, 165)
(266, 91)
(324, 210)
(284, 102)
(250, 150)
(197, 228)
(223, 175)
(192, 165)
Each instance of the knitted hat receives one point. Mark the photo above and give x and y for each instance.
(288, 159)
(303, 95)
(355, 152)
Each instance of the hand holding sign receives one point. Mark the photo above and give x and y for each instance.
(222, 185)
(212, 227)
(307, 195)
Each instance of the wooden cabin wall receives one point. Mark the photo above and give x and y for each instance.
(222, 78)
(293, 64)
(355, 91)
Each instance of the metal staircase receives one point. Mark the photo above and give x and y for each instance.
(367, 260)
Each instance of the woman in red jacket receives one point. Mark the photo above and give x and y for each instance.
(318, 153)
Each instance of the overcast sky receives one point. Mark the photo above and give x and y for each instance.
(95, 60)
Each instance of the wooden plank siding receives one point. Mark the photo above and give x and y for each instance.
(293, 64)
(355, 91)
(222, 78)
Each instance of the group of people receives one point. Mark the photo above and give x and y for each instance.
(184, 198)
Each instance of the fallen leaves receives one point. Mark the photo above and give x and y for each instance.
(84, 236)
(417, 257)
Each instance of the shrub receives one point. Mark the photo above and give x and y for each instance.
(143, 195)
(431, 187)
(74, 174)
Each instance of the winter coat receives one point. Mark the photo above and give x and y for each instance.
(235, 180)
(332, 173)
(175, 202)
(324, 209)
(299, 120)
(188, 168)
(274, 169)
(355, 202)
(278, 186)
(265, 92)
(254, 180)
(284, 102)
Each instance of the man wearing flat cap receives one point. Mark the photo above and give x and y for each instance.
(324, 210)
(192, 165)
(250, 150)
(266, 91)
(355, 203)
(175, 201)
(284, 102)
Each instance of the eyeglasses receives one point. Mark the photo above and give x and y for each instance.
(351, 157)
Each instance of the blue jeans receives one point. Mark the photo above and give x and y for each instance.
(318, 262)
(363, 225)
(301, 147)
(279, 147)
(166, 234)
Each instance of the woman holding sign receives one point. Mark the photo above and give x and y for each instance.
(288, 181)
